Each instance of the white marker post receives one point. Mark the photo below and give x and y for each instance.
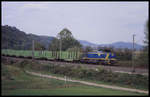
(133, 68)
(65, 81)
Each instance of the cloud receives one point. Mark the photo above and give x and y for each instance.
(104, 22)
(35, 6)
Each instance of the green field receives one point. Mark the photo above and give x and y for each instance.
(16, 82)
(81, 90)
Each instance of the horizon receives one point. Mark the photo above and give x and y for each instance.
(103, 22)
(78, 39)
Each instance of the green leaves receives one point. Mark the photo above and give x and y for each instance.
(64, 40)
(39, 46)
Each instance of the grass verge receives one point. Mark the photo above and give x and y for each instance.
(16, 82)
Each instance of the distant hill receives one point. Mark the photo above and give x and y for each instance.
(128, 45)
(13, 38)
(45, 40)
(115, 44)
(86, 43)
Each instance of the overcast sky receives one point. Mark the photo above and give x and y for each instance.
(96, 22)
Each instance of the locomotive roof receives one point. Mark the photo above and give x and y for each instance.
(97, 52)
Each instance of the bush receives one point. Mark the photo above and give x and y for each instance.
(3, 60)
(142, 59)
(90, 74)
(21, 56)
(29, 57)
(101, 69)
(102, 75)
(24, 63)
(42, 58)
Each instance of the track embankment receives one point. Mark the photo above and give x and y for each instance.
(91, 66)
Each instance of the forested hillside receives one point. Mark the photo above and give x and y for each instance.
(13, 38)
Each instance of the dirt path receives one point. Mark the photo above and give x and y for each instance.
(88, 83)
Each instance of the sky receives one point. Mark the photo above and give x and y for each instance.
(96, 22)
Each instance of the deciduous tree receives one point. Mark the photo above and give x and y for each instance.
(67, 40)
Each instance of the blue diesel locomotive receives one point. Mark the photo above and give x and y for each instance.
(99, 57)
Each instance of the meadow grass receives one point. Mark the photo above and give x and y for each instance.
(81, 90)
(16, 82)
(89, 80)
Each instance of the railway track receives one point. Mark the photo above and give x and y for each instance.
(113, 68)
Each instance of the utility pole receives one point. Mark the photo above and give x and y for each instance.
(133, 68)
(60, 47)
(32, 49)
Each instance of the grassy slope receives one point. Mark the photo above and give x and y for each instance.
(81, 90)
(94, 81)
(88, 80)
(16, 82)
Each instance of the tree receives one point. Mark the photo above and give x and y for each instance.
(10, 39)
(54, 45)
(146, 41)
(38, 46)
(67, 40)
(88, 49)
(75, 49)
(142, 59)
(106, 49)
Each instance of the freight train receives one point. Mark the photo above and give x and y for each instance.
(99, 57)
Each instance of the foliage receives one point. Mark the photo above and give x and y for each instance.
(17, 82)
(67, 40)
(88, 49)
(103, 75)
(125, 63)
(10, 37)
(54, 45)
(75, 49)
(143, 58)
(91, 74)
(13, 38)
(146, 41)
(106, 49)
(38, 46)
(123, 54)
